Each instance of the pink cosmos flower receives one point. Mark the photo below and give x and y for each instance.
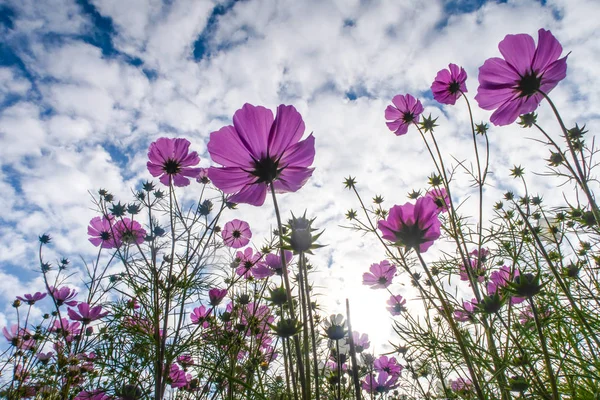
(200, 315)
(388, 365)
(216, 295)
(413, 226)
(171, 160)
(467, 314)
(396, 305)
(185, 360)
(44, 357)
(64, 295)
(449, 84)
(361, 342)
(440, 198)
(499, 280)
(31, 299)
(203, 176)
(381, 275)
(477, 270)
(101, 233)
(66, 329)
(248, 259)
(129, 232)
(461, 385)
(19, 337)
(86, 314)
(514, 85)
(259, 150)
(97, 394)
(383, 384)
(178, 377)
(271, 266)
(236, 233)
(405, 111)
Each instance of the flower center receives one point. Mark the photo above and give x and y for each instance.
(236, 234)
(410, 236)
(382, 280)
(248, 264)
(529, 84)
(266, 170)
(105, 235)
(172, 167)
(408, 117)
(454, 87)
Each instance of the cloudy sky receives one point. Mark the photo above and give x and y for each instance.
(87, 85)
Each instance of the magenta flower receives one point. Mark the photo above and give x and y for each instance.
(381, 275)
(65, 328)
(440, 198)
(129, 232)
(514, 85)
(177, 377)
(467, 314)
(389, 365)
(247, 260)
(171, 160)
(97, 394)
(101, 233)
(500, 280)
(413, 226)
(64, 295)
(31, 299)
(203, 176)
(258, 151)
(86, 313)
(405, 111)
(216, 295)
(361, 342)
(185, 360)
(477, 271)
(461, 386)
(383, 384)
(396, 305)
(236, 233)
(449, 84)
(19, 337)
(200, 315)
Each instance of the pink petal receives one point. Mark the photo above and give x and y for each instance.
(253, 124)
(287, 130)
(226, 148)
(292, 179)
(518, 51)
(548, 50)
(300, 154)
(253, 194)
(230, 179)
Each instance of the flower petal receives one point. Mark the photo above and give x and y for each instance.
(226, 148)
(287, 130)
(518, 51)
(253, 124)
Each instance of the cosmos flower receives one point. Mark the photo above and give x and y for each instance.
(129, 232)
(200, 315)
(236, 233)
(258, 151)
(361, 342)
(31, 299)
(405, 111)
(514, 85)
(389, 365)
(101, 233)
(171, 160)
(86, 313)
(382, 384)
(247, 260)
(440, 198)
(216, 295)
(413, 226)
(396, 304)
(64, 295)
(467, 314)
(449, 84)
(272, 265)
(19, 337)
(381, 275)
(500, 280)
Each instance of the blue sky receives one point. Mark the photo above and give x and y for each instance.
(86, 85)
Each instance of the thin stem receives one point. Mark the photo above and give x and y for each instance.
(544, 349)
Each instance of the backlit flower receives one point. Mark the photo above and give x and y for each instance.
(381, 275)
(449, 84)
(129, 232)
(440, 198)
(86, 313)
(236, 233)
(361, 342)
(415, 226)
(101, 233)
(64, 295)
(468, 311)
(513, 85)
(382, 384)
(247, 260)
(200, 315)
(216, 295)
(405, 111)
(171, 160)
(389, 365)
(31, 299)
(396, 304)
(259, 150)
